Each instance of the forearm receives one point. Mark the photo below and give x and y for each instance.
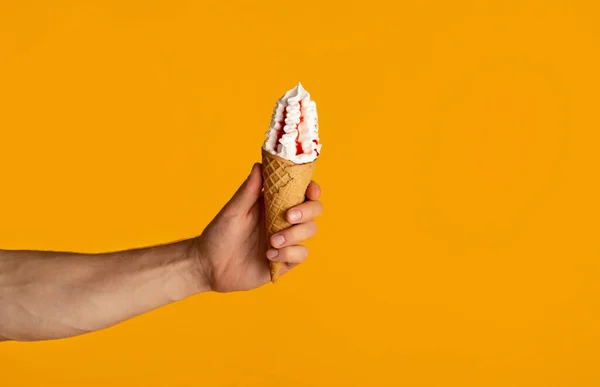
(46, 295)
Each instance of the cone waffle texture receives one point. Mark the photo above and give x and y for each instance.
(284, 184)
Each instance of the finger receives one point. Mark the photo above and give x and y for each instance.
(313, 192)
(294, 235)
(248, 193)
(305, 212)
(291, 254)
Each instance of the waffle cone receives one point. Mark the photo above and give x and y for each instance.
(284, 184)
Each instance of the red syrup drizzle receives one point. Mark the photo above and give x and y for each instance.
(316, 142)
(280, 131)
(299, 149)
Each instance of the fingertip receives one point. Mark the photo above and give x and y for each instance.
(294, 215)
(277, 240)
(305, 252)
(314, 191)
(255, 174)
(247, 194)
(255, 167)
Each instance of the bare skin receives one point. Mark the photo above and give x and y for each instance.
(51, 295)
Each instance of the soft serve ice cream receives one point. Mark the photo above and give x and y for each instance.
(289, 156)
(294, 131)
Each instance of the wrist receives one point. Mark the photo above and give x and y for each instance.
(190, 276)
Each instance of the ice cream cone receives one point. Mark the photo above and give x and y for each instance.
(284, 184)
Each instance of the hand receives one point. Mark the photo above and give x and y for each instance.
(232, 250)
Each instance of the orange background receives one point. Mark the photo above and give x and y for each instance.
(459, 245)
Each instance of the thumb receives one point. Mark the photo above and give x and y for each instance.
(248, 193)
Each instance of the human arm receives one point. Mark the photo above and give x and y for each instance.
(49, 295)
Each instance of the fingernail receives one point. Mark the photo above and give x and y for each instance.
(295, 215)
(272, 253)
(277, 240)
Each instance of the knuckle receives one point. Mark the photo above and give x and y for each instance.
(294, 256)
(283, 255)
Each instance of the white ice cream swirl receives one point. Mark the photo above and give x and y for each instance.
(294, 131)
